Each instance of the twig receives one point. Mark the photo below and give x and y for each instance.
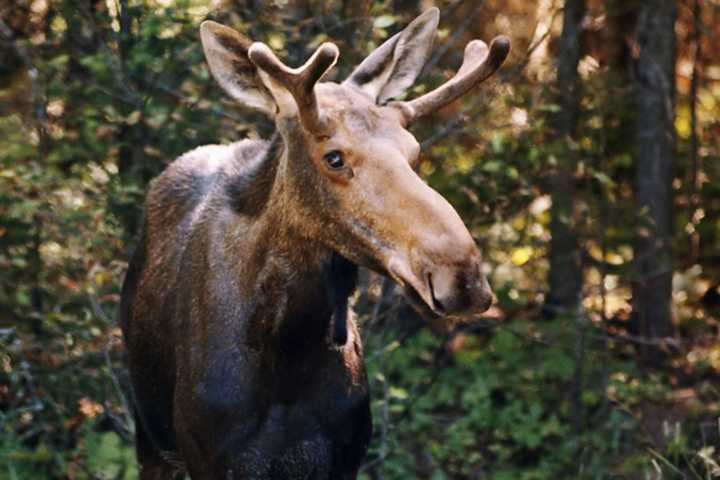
(129, 423)
(453, 124)
(386, 291)
(457, 33)
(100, 314)
(695, 159)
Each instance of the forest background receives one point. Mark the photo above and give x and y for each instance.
(587, 170)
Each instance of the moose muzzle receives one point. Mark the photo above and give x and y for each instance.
(459, 290)
(449, 280)
(438, 261)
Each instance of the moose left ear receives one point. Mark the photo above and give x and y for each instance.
(226, 51)
(394, 65)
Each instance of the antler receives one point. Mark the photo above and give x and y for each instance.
(300, 82)
(478, 64)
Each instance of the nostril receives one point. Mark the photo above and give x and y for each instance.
(486, 294)
(487, 300)
(458, 289)
(437, 304)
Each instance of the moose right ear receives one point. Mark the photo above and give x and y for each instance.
(226, 52)
(394, 65)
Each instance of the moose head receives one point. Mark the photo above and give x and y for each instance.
(346, 179)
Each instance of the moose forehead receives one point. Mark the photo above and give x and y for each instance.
(353, 113)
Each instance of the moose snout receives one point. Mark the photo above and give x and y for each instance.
(460, 289)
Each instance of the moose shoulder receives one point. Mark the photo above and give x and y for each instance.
(243, 358)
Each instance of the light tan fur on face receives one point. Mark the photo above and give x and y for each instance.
(417, 226)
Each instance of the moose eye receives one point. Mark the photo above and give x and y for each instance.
(334, 160)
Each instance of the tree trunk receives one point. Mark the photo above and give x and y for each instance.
(565, 275)
(655, 143)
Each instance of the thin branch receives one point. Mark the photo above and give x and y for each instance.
(453, 125)
(454, 38)
(695, 160)
(128, 423)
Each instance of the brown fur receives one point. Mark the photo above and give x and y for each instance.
(247, 253)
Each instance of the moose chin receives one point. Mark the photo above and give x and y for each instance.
(243, 360)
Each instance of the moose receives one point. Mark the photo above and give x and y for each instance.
(243, 359)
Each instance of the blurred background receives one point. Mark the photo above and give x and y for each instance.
(587, 169)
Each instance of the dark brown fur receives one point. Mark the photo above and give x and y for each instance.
(237, 367)
(243, 359)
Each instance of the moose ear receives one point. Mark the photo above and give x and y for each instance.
(395, 64)
(226, 52)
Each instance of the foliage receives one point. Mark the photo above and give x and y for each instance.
(97, 97)
(509, 401)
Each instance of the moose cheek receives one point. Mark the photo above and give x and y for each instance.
(341, 176)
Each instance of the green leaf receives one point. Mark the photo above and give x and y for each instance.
(492, 166)
(399, 393)
(384, 21)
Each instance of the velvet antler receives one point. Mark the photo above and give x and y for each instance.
(300, 82)
(478, 64)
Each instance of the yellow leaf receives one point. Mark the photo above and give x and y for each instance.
(133, 118)
(521, 255)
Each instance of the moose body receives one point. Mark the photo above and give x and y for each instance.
(243, 358)
(235, 364)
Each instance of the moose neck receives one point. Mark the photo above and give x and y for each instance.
(304, 285)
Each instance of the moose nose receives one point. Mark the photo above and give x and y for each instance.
(460, 290)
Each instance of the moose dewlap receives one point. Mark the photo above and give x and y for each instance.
(243, 359)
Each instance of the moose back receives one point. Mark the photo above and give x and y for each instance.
(244, 362)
